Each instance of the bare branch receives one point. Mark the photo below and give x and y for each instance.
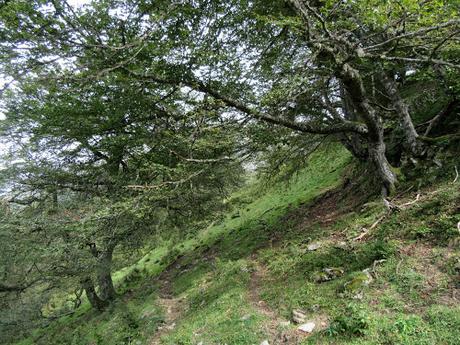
(414, 60)
(164, 184)
(306, 127)
(414, 33)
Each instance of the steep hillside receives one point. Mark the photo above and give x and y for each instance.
(319, 249)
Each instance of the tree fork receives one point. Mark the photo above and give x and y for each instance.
(410, 134)
(95, 301)
(354, 86)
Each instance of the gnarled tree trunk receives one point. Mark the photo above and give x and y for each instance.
(104, 270)
(353, 142)
(104, 275)
(354, 87)
(410, 134)
(378, 157)
(95, 301)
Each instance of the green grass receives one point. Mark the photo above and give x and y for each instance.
(414, 255)
(125, 322)
(217, 307)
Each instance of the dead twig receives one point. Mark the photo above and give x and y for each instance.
(456, 175)
(366, 231)
(417, 198)
(374, 266)
(390, 206)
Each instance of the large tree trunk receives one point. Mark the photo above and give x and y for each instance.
(379, 159)
(104, 270)
(353, 142)
(104, 275)
(95, 301)
(410, 133)
(354, 87)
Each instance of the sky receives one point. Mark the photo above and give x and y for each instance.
(77, 3)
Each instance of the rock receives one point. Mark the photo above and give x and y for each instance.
(298, 316)
(313, 246)
(307, 327)
(171, 326)
(358, 296)
(328, 274)
(321, 277)
(334, 272)
(358, 283)
(285, 324)
(245, 317)
(245, 269)
(265, 342)
(342, 245)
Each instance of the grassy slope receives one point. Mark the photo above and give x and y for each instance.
(238, 281)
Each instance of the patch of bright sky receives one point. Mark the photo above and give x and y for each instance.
(78, 3)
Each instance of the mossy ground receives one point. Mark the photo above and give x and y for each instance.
(412, 256)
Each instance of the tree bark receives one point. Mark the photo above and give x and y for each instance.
(95, 301)
(353, 142)
(410, 133)
(378, 157)
(354, 87)
(104, 275)
(104, 270)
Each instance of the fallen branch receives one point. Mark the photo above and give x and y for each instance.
(390, 206)
(374, 265)
(417, 198)
(366, 231)
(456, 175)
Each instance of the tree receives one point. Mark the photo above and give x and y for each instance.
(314, 67)
(317, 68)
(129, 117)
(329, 68)
(111, 158)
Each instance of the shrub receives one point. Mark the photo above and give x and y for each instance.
(355, 322)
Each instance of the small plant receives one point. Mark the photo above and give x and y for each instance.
(355, 322)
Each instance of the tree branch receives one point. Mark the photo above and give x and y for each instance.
(309, 127)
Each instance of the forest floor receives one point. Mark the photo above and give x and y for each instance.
(320, 247)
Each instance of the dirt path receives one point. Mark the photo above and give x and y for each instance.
(277, 330)
(173, 308)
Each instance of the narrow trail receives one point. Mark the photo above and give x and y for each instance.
(277, 330)
(173, 308)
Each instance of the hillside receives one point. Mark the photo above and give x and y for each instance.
(249, 172)
(321, 247)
